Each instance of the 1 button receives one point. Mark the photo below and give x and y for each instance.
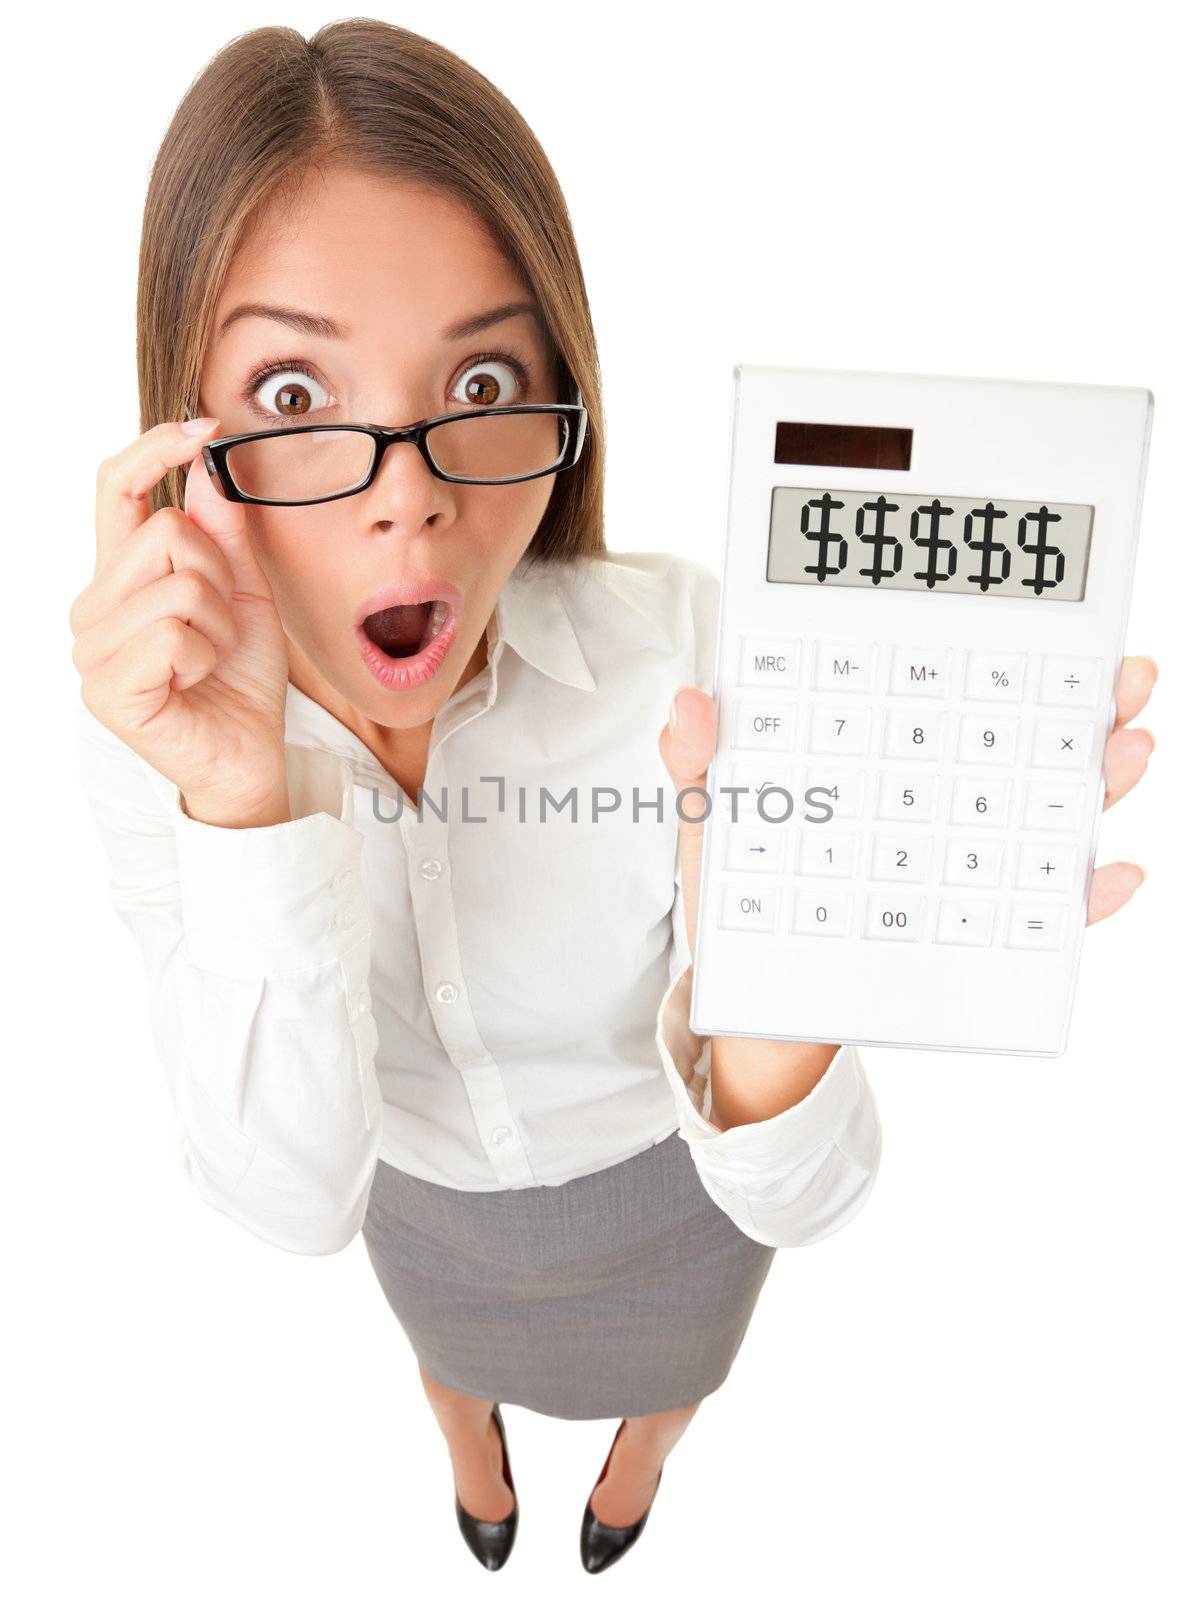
(430, 868)
(1069, 681)
(446, 993)
(827, 855)
(769, 661)
(993, 676)
(1062, 744)
(845, 666)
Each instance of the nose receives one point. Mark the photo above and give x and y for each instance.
(406, 493)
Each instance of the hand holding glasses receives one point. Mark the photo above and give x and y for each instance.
(315, 462)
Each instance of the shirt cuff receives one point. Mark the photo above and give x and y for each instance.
(260, 901)
(763, 1147)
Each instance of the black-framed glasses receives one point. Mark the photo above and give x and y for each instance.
(314, 462)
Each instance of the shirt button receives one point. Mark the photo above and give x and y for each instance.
(363, 1002)
(446, 992)
(500, 1135)
(430, 868)
(345, 917)
(343, 879)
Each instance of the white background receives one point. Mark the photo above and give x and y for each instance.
(982, 1385)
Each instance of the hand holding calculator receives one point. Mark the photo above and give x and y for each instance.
(925, 589)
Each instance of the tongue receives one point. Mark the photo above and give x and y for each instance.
(398, 629)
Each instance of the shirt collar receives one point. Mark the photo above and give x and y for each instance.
(531, 616)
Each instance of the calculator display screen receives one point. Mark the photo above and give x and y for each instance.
(952, 544)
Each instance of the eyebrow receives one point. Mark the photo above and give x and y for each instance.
(318, 327)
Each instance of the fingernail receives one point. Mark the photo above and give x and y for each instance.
(200, 425)
(1142, 872)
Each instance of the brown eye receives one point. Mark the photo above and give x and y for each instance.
(490, 381)
(291, 394)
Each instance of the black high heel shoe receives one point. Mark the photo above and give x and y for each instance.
(603, 1544)
(491, 1542)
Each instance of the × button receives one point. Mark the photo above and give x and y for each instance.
(446, 992)
(430, 867)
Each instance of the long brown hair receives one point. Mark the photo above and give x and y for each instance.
(269, 107)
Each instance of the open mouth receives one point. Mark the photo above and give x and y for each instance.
(400, 631)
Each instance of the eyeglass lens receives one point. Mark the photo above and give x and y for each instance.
(307, 466)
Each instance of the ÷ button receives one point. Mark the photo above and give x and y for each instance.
(430, 868)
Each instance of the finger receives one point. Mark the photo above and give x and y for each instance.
(225, 522)
(1125, 760)
(186, 594)
(1136, 680)
(124, 481)
(1111, 887)
(687, 745)
(167, 543)
(130, 689)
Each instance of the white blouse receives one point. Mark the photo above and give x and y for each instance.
(492, 995)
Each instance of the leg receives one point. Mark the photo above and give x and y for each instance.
(474, 1449)
(636, 1461)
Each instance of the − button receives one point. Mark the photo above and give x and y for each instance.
(446, 992)
(430, 867)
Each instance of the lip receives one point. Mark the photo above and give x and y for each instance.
(409, 672)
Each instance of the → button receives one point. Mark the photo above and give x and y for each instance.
(500, 1135)
(446, 992)
(430, 867)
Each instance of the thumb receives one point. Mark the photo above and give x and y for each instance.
(225, 522)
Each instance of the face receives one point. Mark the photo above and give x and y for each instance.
(386, 268)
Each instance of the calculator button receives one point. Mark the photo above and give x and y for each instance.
(1037, 927)
(842, 788)
(891, 914)
(1062, 744)
(764, 727)
(1054, 805)
(1046, 866)
(825, 911)
(988, 739)
(756, 778)
(752, 849)
(1069, 681)
(983, 802)
(844, 731)
(921, 672)
(750, 907)
(901, 857)
(827, 855)
(976, 862)
(845, 666)
(966, 922)
(994, 677)
(769, 661)
(908, 796)
(918, 734)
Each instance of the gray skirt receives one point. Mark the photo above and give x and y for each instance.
(619, 1293)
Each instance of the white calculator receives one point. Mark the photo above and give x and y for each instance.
(925, 591)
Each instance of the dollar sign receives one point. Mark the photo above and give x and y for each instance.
(824, 536)
(879, 539)
(1041, 551)
(932, 543)
(987, 545)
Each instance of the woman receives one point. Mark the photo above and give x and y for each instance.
(459, 1028)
